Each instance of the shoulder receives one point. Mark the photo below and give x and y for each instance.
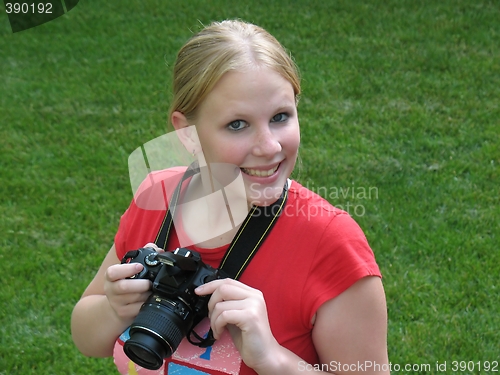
(158, 177)
(305, 205)
(141, 221)
(156, 188)
(332, 229)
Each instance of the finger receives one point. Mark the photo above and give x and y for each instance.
(219, 307)
(127, 286)
(229, 292)
(139, 297)
(129, 311)
(153, 246)
(211, 286)
(129, 299)
(122, 271)
(225, 318)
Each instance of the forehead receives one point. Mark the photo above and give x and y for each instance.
(255, 86)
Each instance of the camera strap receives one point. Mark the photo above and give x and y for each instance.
(249, 237)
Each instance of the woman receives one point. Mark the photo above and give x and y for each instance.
(311, 299)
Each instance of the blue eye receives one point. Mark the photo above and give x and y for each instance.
(237, 125)
(280, 117)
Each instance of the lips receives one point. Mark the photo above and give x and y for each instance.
(260, 172)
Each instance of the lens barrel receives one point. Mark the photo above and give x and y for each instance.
(157, 331)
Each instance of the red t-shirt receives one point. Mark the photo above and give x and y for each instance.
(313, 253)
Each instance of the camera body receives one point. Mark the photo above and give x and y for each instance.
(173, 309)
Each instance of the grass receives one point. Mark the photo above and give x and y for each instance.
(398, 96)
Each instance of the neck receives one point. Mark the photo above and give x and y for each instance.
(210, 217)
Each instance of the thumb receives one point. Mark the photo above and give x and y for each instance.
(153, 246)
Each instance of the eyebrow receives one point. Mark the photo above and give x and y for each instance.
(281, 108)
(286, 107)
(283, 104)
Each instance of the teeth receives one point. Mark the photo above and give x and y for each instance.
(259, 173)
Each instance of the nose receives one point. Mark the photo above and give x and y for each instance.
(266, 143)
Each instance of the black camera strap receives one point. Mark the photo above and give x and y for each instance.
(249, 237)
(251, 234)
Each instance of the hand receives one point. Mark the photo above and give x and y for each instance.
(126, 296)
(242, 310)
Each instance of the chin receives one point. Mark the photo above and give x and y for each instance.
(264, 195)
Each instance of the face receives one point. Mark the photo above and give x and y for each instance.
(250, 120)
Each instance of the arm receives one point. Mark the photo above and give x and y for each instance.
(352, 329)
(108, 306)
(348, 329)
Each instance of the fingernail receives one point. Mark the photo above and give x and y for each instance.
(199, 289)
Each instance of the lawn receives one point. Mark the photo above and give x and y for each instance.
(400, 127)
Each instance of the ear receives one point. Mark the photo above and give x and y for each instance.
(179, 121)
(187, 133)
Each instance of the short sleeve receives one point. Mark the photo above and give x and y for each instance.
(342, 258)
(120, 236)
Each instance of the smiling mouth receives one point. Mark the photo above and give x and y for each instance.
(260, 173)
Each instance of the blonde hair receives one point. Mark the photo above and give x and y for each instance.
(219, 48)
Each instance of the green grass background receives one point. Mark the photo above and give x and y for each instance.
(400, 96)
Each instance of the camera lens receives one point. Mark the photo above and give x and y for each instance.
(145, 351)
(157, 331)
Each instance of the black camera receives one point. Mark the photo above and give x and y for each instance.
(173, 309)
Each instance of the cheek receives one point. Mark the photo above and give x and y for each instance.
(291, 141)
(226, 152)
(214, 148)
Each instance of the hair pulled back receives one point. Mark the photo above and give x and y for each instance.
(219, 48)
